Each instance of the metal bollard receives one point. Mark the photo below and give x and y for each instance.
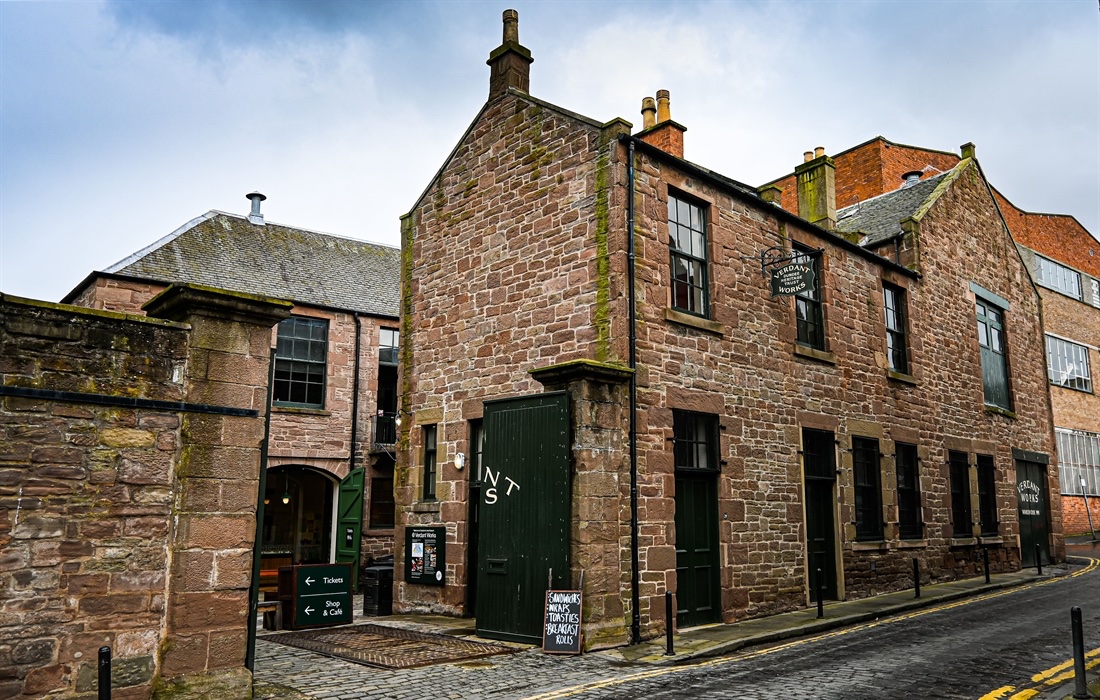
(820, 595)
(670, 622)
(105, 673)
(985, 562)
(916, 577)
(1080, 689)
(1038, 559)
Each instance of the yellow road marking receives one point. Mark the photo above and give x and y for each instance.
(998, 693)
(666, 670)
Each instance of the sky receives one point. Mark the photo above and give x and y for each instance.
(122, 120)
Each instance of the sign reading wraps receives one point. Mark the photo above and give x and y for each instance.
(561, 629)
(424, 555)
(792, 278)
(322, 595)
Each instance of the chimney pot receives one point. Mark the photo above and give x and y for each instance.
(511, 26)
(649, 112)
(663, 112)
(819, 151)
(255, 216)
(807, 156)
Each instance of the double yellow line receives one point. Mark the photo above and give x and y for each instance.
(1050, 677)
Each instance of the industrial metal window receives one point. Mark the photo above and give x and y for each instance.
(897, 347)
(300, 358)
(994, 365)
(987, 496)
(1059, 277)
(910, 517)
(1068, 364)
(960, 494)
(868, 480)
(687, 233)
(809, 316)
(695, 441)
(1078, 462)
(429, 462)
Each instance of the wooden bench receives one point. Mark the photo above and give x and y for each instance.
(273, 613)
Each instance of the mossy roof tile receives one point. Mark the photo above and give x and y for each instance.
(879, 218)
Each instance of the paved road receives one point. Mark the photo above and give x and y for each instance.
(961, 650)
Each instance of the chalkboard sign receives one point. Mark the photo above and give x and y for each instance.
(424, 555)
(322, 595)
(561, 628)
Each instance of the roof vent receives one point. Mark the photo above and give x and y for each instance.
(911, 178)
(255, 216)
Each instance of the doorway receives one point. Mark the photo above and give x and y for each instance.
(1033, 499)
(819, 468)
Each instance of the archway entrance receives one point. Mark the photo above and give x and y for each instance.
(299, 517)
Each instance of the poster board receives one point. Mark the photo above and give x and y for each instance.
(425, 550)
(561, 627)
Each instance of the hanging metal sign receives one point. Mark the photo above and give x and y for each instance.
(790, 272)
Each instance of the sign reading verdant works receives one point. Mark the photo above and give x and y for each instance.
(791, 272)
(322, 595)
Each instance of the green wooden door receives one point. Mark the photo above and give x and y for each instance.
(1032, 500)
(524, 514)
(697, 583)
(349, 520)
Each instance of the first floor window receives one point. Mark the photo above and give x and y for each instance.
(910, 517)
(809, 316)
(1078, 461)
(429, 462)
(687, 245)
(897, 350)
(1058, 277)
(865, 465)
(987, 496)
(695, 440)
(1068, 364)
(300, 358)
(960, 494)
(994, 365)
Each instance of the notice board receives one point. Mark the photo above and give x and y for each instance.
(561, 627)
(424, 555)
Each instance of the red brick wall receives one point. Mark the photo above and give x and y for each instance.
(1057, 236)
(1076, 519)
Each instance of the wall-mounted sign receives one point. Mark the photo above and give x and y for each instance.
(424, 555)
(561, 628)
(792, 278)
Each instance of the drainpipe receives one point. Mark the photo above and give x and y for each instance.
(635, 624)
(355, 391)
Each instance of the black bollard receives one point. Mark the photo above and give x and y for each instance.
(916, 577)
(1080, 689)
(1038, 559)
(985, 562)
(670, 622)
(820, 595)
(105, 673)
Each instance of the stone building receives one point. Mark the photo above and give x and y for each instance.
(1062, 258)
(601, 390)
(330, 459)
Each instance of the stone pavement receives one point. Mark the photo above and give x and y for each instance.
(285, 673)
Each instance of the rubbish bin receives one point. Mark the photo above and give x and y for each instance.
(377, 585)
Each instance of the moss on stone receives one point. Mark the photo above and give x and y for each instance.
(601, 311)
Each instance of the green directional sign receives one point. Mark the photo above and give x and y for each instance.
(322, 595)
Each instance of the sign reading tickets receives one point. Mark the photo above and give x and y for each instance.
(792, 278)
(322, 595)
(561, 629)
(424, 555)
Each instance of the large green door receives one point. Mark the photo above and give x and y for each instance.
(1032, 500)
(524, 514)
(349, 520)
(697, 582)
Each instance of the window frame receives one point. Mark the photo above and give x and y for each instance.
(993, 346)
(1055, 276)
(429, 435)
(381, 476)
(695, 435)
(897, 327)
(1077, 382)
(988, 520)
(290, 363)
(691, 257)
(962, 516)
(867, 488)
(907, 471)
(809, 312)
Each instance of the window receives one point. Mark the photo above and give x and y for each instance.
(385, 431)
(865, 465)
(1068, 364)
(987, 496)
(994, 366)
(807, 305)
(382, 508)
(960, 494)
(429, 462)
(687, 233)
(897, 351)
(910, 518)
(819, 454)
(477, 444)
(695, 441)
(300, 356)
(1078, 461)
(1095, 293)
(1059, 277)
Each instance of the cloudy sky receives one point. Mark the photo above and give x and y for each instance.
(122, 120)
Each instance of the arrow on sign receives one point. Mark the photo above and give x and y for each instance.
(309, 611)
(310, 580)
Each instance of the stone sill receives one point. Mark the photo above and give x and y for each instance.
(426, 507)
(991, 540)
(962, 542)
(378, 532)
(875, 546)
(912, 544)
(695, 322)
(997, 410)
(301, 410)
(812, 354)
(902, 377)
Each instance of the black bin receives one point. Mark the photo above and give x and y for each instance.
(377, 585)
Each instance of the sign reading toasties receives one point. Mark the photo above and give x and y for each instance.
(792, 278)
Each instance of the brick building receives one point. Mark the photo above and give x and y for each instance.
(1062, 258)
(330, 457)
(601, 391)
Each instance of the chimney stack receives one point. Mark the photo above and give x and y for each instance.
(510, 63)
(256, 217)
(816, 181)
(665, 134)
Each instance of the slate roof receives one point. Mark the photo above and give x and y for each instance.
(228, 251)
(879, 218)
